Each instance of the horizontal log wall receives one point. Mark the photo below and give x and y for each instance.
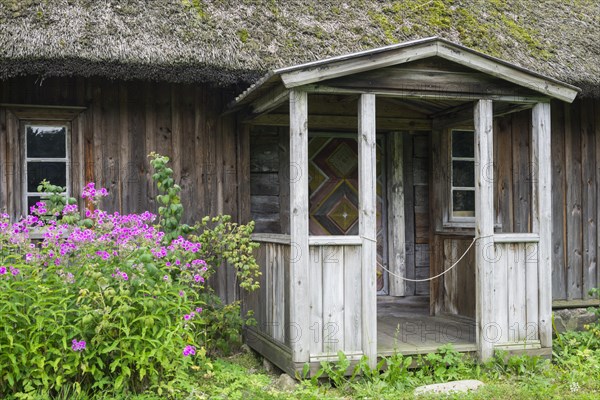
(269, 181)
(124, 121)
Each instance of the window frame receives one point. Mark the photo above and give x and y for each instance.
(451, 220)
(23, 124)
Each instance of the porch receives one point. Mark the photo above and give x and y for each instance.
(405, 325)
(340, 229)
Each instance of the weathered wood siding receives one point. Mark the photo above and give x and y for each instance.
(124, 121)
(515, 305)
(335, 300)
(270, 303)
(575, 191)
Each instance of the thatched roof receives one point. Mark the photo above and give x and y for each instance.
(237, 41)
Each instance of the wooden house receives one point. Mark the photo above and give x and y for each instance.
(407, 192)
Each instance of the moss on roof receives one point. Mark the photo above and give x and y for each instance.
(236, 41)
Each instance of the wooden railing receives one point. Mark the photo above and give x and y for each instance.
(515, 321)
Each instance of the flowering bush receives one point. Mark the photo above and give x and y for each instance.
(99, 303)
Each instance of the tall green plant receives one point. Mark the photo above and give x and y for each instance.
(223, 242)
(170, 209)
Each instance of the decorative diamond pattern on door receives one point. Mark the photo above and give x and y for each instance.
(333, 190)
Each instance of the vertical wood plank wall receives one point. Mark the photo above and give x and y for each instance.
(335, 300)
(122, 123)
(575, 202)
(126, 120)
(270, 301)
(515, 305)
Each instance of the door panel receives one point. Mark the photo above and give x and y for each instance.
(333, 191)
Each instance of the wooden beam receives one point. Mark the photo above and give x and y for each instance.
(501, 70)
(542, 214)
(299, 258)
(320, 71)
(516, 238)
(268, 347)
(484, 226)
(270, 101)
(334, 240)
(344, 122)
(367, 176)
(425, 94)
(396, 226)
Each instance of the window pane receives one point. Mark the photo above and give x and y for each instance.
(55, 172)
(463, 203)
(463, 144)
(463, 173)
(31, 200)
(46, 141)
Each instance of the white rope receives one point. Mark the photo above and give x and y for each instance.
(441, 273)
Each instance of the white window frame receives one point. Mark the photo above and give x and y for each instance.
(67, 159)
(451, 220)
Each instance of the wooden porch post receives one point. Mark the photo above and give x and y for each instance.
(542, 215)
(299, 258)
(484, 226)
(367, 176)
(396, 221)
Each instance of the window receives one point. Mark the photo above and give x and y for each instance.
(462, 176)
(46, 156)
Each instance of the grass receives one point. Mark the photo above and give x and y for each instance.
(573, 373)
(242, 376)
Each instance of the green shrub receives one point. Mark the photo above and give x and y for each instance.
(96, 308)
(105, 304)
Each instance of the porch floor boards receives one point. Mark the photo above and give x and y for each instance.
(404, 325)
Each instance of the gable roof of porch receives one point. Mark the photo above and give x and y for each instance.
(486, 72)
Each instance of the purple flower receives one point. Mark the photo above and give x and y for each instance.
(166, 278)
(181, 293)
(2, 270)
(90, 192)
(199, 310)
(104, 254)
(14, 271)
(124, 276)
(189, 351)
(70, 209)
(78, 346)
(198, 278)
(187, 317)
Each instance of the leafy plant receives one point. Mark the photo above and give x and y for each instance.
(336, 372)
(224, 241)
(55, 204)
(99, 307)
(170, 209)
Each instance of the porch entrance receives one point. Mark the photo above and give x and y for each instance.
(333, 198)
(318, 291)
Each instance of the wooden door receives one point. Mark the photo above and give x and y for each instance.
(333, 191)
